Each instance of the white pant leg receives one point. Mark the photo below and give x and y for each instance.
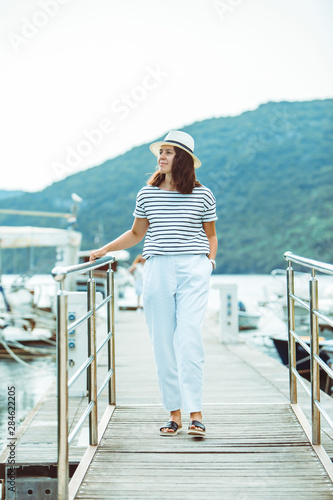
(175, 298)
(193, 275)
(160, 310)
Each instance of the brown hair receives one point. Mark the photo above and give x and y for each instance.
(183, 173)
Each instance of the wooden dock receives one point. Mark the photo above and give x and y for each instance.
(255, 447)
(251, 451)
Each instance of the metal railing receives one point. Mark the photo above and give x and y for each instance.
(59, 274)
(312, 307)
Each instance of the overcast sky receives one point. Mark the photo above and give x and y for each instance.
(86, 80)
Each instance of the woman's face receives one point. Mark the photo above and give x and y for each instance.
(165, 159)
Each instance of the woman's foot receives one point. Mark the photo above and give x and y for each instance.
(196, 415)
(196, 430)
(175, 416)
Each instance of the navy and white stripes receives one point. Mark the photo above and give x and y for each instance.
(175, 220)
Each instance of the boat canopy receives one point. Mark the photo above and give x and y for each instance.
(30, 236)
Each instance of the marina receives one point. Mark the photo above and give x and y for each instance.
(166, 244)
(255, 446)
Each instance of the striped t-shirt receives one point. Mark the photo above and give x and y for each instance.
(175, 220)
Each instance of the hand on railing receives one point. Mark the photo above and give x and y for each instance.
(97, 254)
(59, 273)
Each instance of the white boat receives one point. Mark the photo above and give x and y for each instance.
(248, 320)
(277, 296)
(27, 316)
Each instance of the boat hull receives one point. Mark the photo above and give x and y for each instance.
(303, 361)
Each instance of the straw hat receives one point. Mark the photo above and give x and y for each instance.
(180, 139)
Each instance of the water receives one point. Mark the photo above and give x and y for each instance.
(32, 380)
(30, 383)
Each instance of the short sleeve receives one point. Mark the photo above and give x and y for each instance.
(139, 211)
(209, 207)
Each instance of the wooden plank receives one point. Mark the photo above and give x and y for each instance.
(79, 474)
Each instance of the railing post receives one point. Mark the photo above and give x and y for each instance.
(314, 367)
(111, 342)
(62, 388)
(92, 370)
(291, 338)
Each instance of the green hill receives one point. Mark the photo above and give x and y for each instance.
(270, 170)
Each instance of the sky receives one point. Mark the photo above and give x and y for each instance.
(86, 80)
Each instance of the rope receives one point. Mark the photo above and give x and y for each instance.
(19, 360)
(32, 350)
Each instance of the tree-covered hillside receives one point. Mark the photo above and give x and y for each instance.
(270, 169)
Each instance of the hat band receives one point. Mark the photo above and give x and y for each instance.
(180, 144)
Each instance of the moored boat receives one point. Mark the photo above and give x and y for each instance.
(27, 316)
(303, 358)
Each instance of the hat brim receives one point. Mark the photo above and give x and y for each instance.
(156, 146)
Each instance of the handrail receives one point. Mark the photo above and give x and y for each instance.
(90, 364)
(59, 273)
(315, 361)
(310, 263)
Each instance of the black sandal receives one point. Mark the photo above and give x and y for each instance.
(170, 425)
(197, 432)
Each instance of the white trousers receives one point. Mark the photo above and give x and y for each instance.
(175, 295)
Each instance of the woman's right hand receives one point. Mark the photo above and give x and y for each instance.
(97, 254)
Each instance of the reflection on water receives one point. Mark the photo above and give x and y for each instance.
(30, 383)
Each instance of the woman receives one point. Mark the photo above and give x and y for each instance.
(177, 215)
(137, 270)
